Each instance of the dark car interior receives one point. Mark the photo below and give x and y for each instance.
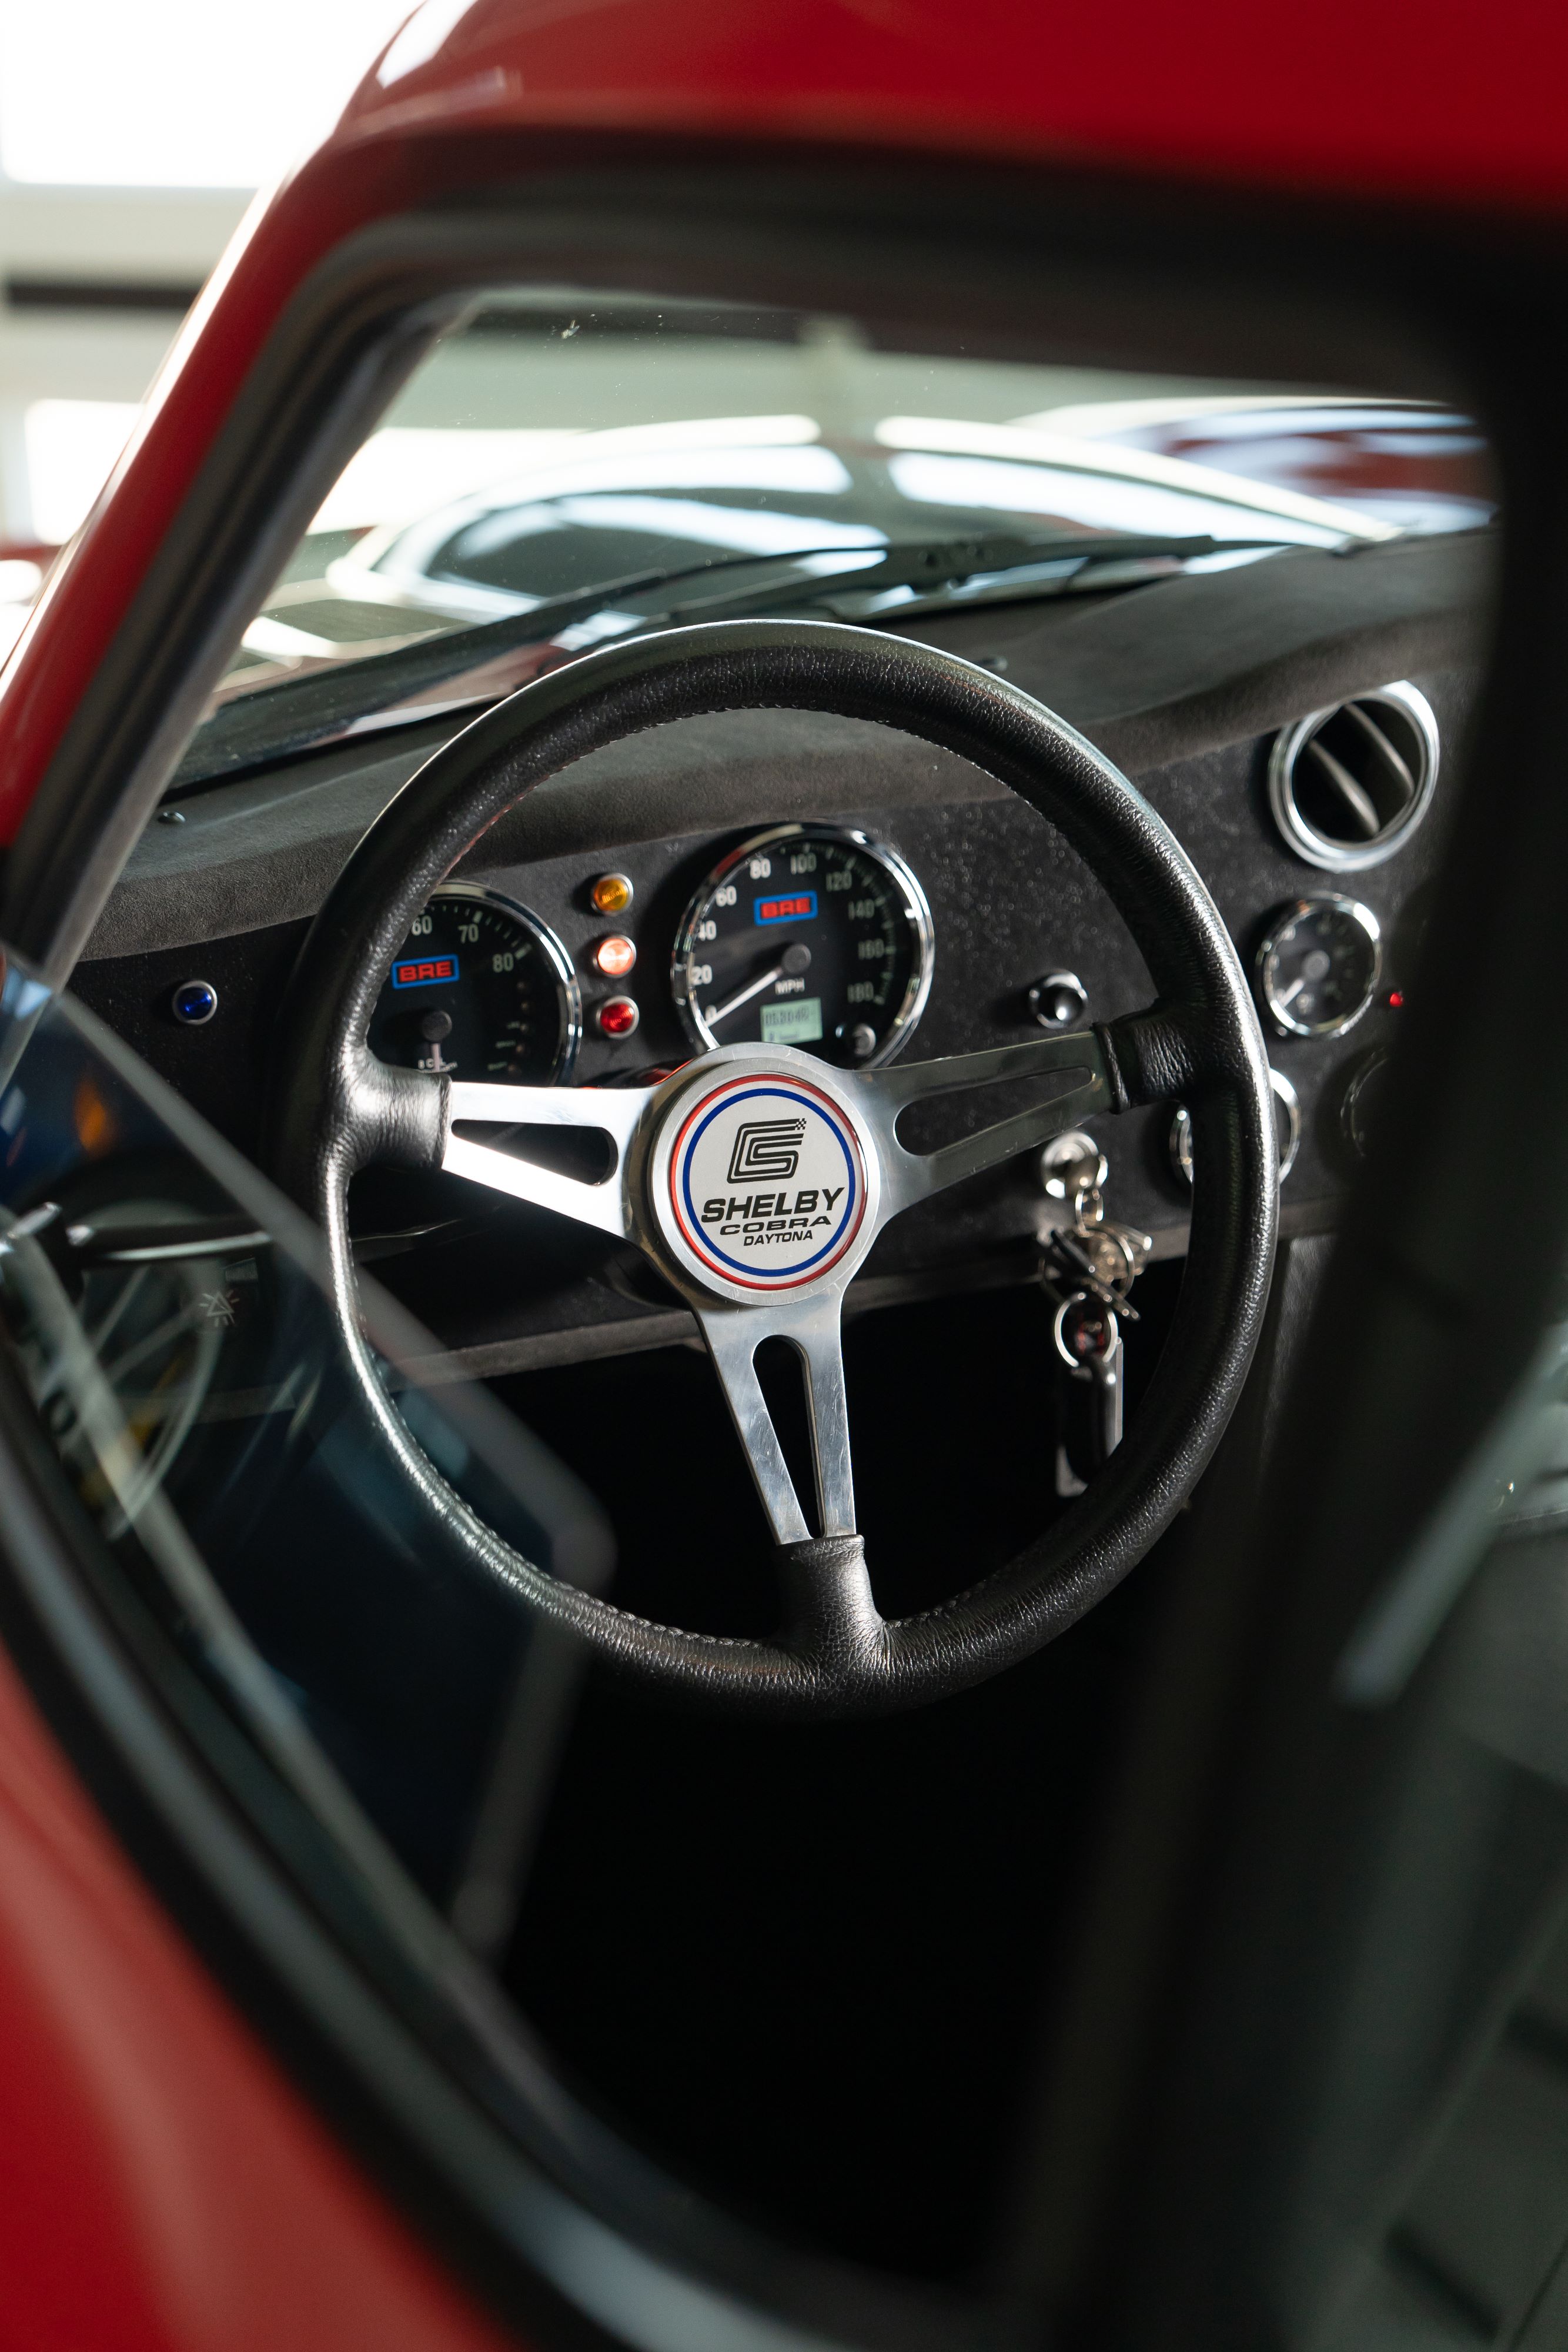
(860, 1987)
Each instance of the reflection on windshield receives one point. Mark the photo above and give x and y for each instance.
(500, 562)
(555, 447)
(1094, 501)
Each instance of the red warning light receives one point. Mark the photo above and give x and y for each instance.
(1396, 1000)
(618, 1016)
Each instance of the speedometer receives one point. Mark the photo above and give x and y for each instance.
(806, 935)
(482, 989)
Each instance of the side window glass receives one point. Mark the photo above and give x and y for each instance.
(166, 1311)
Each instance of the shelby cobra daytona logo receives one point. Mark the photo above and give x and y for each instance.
(766, 1182)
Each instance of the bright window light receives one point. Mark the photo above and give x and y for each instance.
(405, 471)
(408, 471)
(177, 93)
(71, 448)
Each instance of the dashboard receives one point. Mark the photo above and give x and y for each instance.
(836, 888)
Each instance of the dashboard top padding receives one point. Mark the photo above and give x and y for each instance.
(1151, 676)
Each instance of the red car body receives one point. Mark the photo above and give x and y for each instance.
(161, 2183)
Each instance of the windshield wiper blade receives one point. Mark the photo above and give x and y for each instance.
(288, 716)
(942, 564)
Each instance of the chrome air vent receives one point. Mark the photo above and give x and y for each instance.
(1349, 785)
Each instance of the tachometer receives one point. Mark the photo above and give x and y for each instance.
(806, 935)
(480, 988)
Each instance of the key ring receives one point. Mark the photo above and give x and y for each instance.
(1102, 1317)
(1088, 1204)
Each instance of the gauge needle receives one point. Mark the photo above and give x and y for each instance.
(795, 959)
(1290, 993)
(717, 1013)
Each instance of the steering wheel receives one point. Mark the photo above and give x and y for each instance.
(672, 1147)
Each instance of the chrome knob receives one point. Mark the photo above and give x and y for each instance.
(1058, 1001)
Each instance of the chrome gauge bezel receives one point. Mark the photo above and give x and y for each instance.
(1370, 1067)
(1288, 1101)
(1280, 921)
(569, 991)
(916, 913)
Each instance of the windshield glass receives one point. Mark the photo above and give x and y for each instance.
(566, 467)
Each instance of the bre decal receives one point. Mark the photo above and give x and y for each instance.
(800, 907)
(424, 971)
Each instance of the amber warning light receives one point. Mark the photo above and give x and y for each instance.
(424, 972)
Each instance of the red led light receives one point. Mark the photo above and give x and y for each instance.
(1395, 1000)
(615, 956)
(618, 1016)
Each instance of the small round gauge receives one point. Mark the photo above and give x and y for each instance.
(1317, 969)
(481, 989)
(806, 935)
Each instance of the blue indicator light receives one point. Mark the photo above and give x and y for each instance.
(194, 1003)
(799, 907)
(424, 971)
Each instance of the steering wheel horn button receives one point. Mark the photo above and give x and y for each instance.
(766, 1188)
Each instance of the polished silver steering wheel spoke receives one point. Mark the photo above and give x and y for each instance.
(613, 1112)
(911, 1176)
(810, 1325)
(806, 1318)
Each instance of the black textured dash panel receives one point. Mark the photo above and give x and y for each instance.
(1010, 901)
(220, 1066)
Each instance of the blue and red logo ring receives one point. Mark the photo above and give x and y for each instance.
(687, 1219)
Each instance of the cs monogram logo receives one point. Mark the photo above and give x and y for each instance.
(766, 1147)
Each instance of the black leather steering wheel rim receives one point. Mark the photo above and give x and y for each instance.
(333, 1109)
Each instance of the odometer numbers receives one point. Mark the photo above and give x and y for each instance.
(482, 989)
(806, 935)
